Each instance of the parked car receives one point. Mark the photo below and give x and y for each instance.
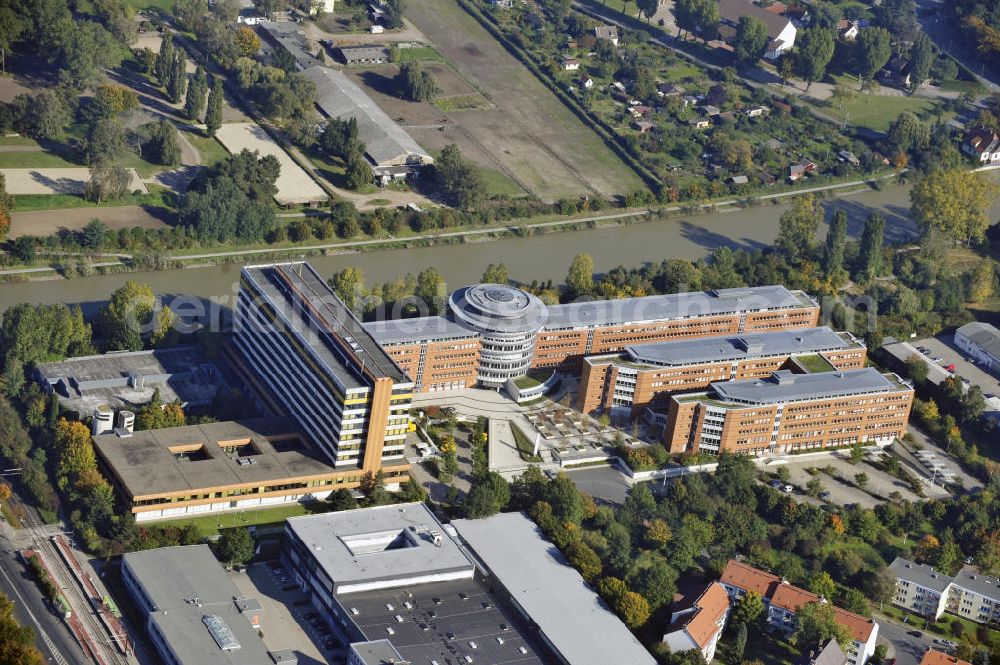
(950, 368)
(915, 633)
(787, 489)
(824, 495)
(776, 484)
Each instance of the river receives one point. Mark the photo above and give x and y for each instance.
(537, 257)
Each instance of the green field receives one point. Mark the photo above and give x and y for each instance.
(499, 184)
(209, 525)
(417, 53)
(165, 5)
(34, 160)
(212, 152)
(29, 202)
(876, 112)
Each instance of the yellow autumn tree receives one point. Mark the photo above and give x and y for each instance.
(75, 453)
(954, 202)
(247, 42)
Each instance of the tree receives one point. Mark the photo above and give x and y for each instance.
(340, 137)
(394, 14)
(584, 559)
(194, 102)
(247, 41)
(899, 18)
(797, 228)
(43, 115)
(836, 242)
(751, 41)
(861, 479)
(494, 274)
(94, 235)
(823, 585)
(84, 50)
(430, 288)
(342, 499)
(873, 47)
(213, 116)
(111, 100)
(982, 279)
(107, 183)
(853, 600)
(349, 285)
(921, 59)
(655, 580)
(106, 142)
(415, 84)
(816, 625)
(178, 80)
(6, 207)
(459, 180)
(11, 28)
(736, 652)
(647, 7)
(75, 453)
(488, 495)
(633, 609)
(907, 133)
(954, 202)
(359, 172)
(700, 17)
(268, 8)
(163, 68)
(164, 146)
(748, 609)
(128, 316)
(870, 257)
(580, 278)
(235, 547)
(17, 643)
(815, 49)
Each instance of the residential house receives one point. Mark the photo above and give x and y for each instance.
(780, 29)
(935, 657)
(847, 30)
(643, 126)
(782, 601)
(896, 72)
(618, 90)
(607, 33)
(669, 90)
(831, 654)
(739, 180)
(502, 4)
(700, 123)
(571, 64)
(640, 111)
(587, 83)
(754, 111)
(725, 116)
(709, 111)
(699, 625)
(983, 144)
(848, 157)
(930, 593)
(800, 169)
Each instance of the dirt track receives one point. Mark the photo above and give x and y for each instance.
(530, 133)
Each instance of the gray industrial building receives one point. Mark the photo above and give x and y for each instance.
(193, 612)
(363, 55)
(982, 342)
(392, 152)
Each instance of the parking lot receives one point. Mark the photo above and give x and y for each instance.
(289, 620)
(943, 347)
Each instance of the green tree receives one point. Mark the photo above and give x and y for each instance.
(342, 499)
(107, 183)
(797, 228)
(213, 115)
(815, 48)
(647, 7)
(580, 278)
(748, 609)
(127, 315)
(736, 652)
(177, 82)
(194, 102)
(816, 625)
(459, 180)
(359, 172)
(584, 559)
(163, 69)
(655, 580)
(394, 14)
(416, 85)
(235, 547)
(349, 285)
(106, 142)
(954, 202)
(494, 274)
(836, 242)
(488, 495)
(870, 257)
(751, 41)
(921, 59)
(566, 502)
(164, 146)
(430, 288)
(982, 279)
(94, 235)
(699, 17)
(84, 51)
(823, 585)
(872, 48)
(907, 133)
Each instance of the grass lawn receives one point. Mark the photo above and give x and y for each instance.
(17, 140)
(209, 525)
(417, 53)
(212, 152)
(760, 646)
(34, 160)
(29, 202)
(461, 103)
(814, 363)
(499, 183)
(165, 5)
(876, 112)
(524, 447)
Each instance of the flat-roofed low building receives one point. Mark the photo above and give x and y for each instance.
(644, 376)
(363, 55)
(789, 412)
(214, 467)
(393, 579)
(982, 342)
(193, 613)
(920, 588)
(530, 574)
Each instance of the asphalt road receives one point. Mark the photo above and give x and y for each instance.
(603, 483)
(906, 649)
(30, 610)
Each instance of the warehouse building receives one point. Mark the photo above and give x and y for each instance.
(194, 614)
(392, 152)
(493, 333)
(788, 412)
(644, 376)
(310, 353)
(982, 342)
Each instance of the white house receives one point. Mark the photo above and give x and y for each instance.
(982, 342)
(700, 625)
(780, 29)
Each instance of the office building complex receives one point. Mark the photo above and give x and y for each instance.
(644, 376)
(194, 614)
(308, 351)
(394, 582)
(232, 465)
(782, 600)
(786, 412)
(930, 593)
(494, 333)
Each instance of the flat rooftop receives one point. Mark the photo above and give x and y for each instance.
(187, 584)
(755, 345)
(784, 386)
(983, 335)
(333, 332)
(425, 328)
(674, 306)
(442, 622)
(180, 373)
(381, 546)
(568, 613)
(289, 36)
(144, 465)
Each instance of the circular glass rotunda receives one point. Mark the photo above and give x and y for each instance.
(508, 320)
